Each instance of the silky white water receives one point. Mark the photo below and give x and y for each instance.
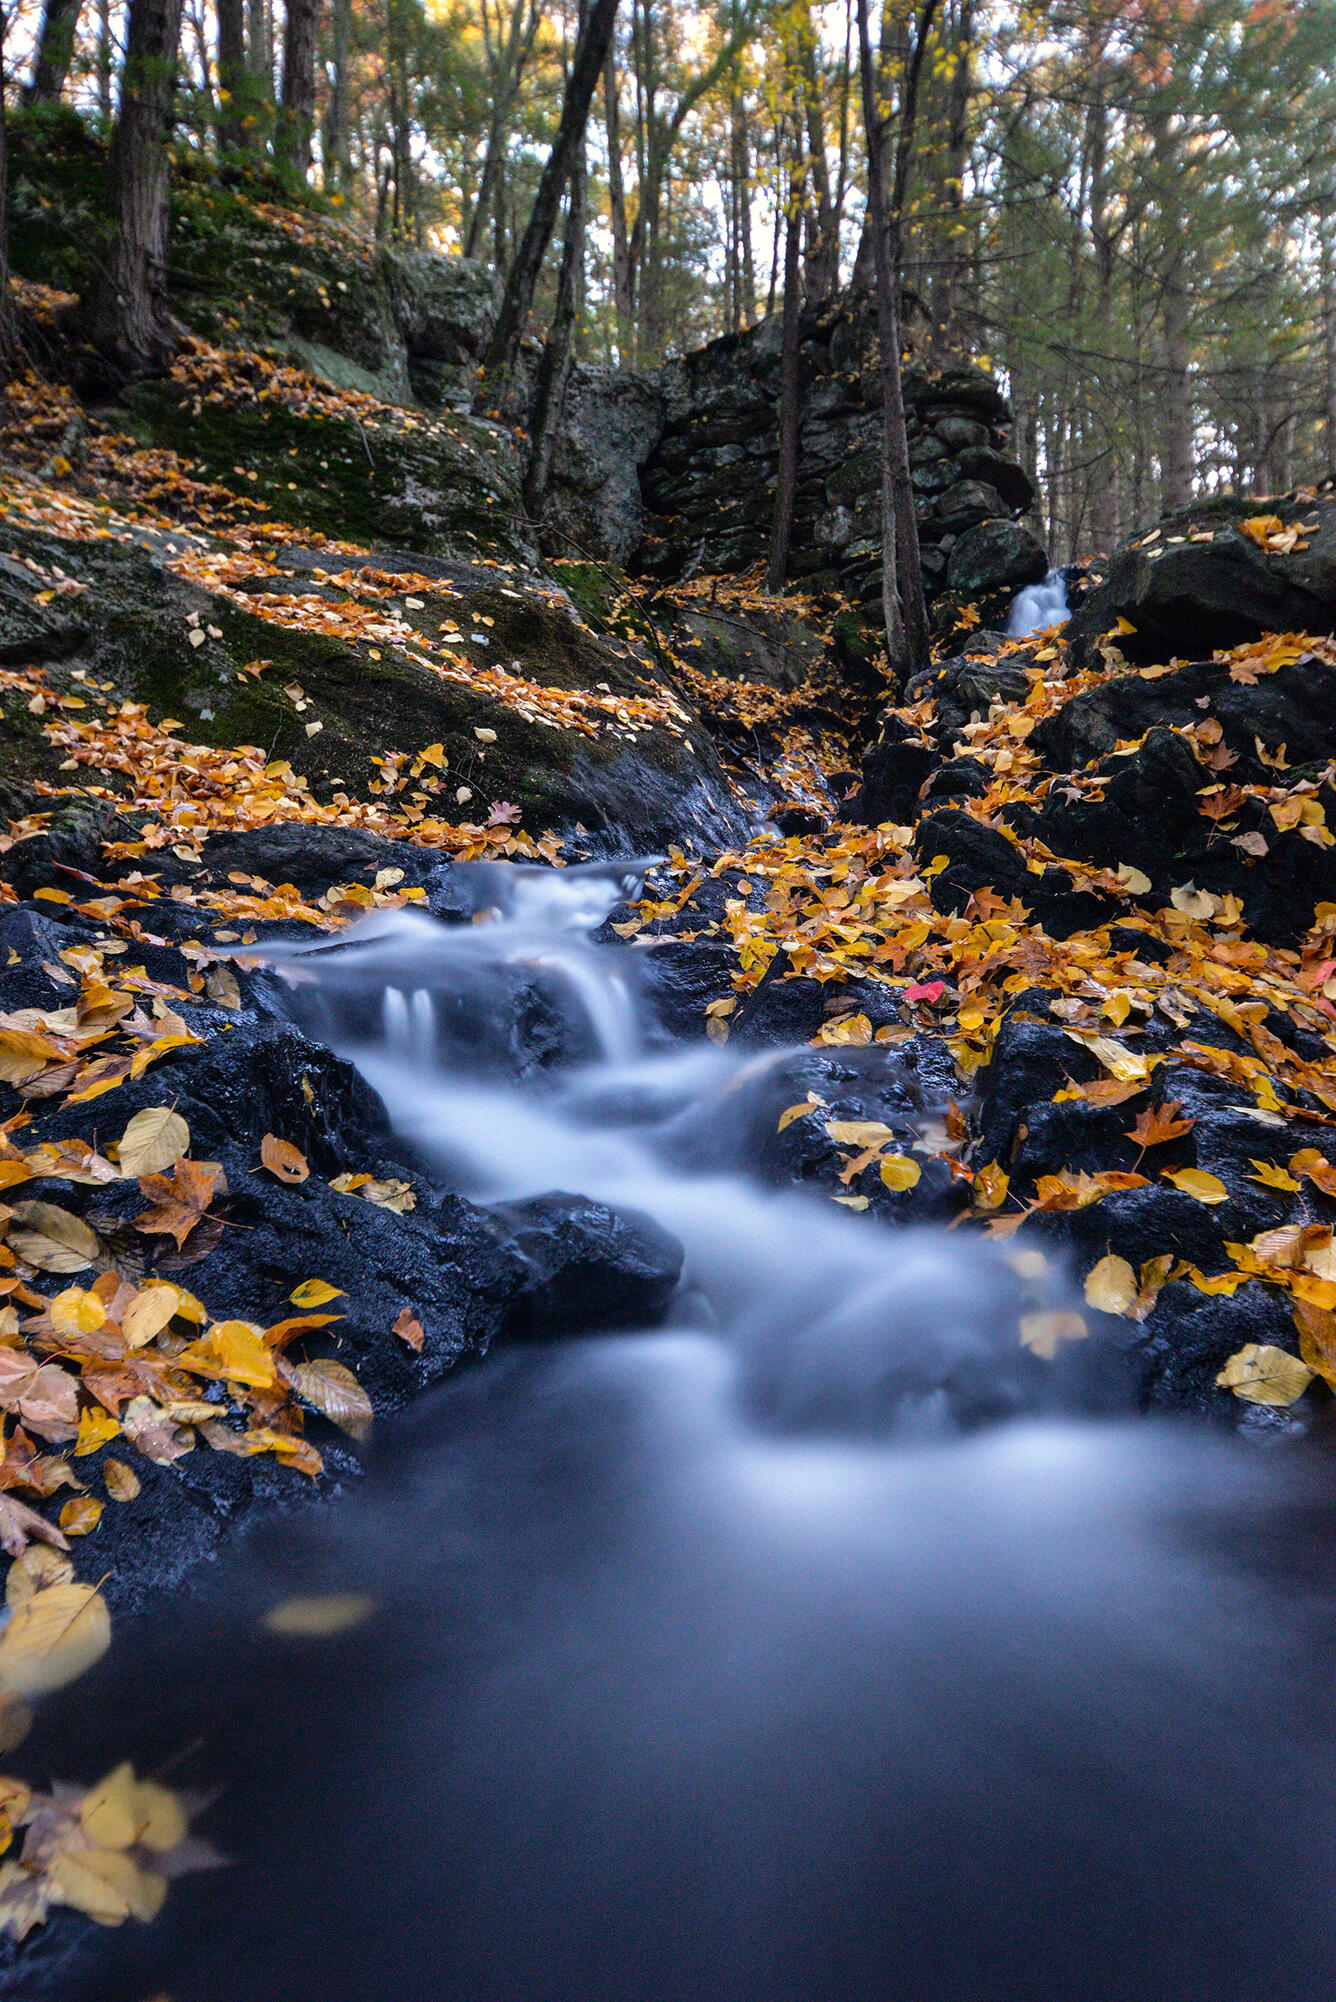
(743, 1659)
(1039, 606)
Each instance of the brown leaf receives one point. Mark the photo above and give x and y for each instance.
(52, 1238)
(334, 1391)
(179, 1200)
(409, 1329)
(19, 1523)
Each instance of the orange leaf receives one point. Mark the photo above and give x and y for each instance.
(1158, 1124)
(179, 1199)
(409, 1329)
(284, 1160)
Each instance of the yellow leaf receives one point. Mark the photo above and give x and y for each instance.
(314, 1293)
(1272, 1177)
(105, 1884)
(852, 1029)
(81, 1516)
(314, 1615)
(76, 1312)
(990, 1187)
(153, 1141)
(1197, 1183)
(1263, 1374)
(235, 1350)
(149, 1312)
(859, 1132)
(1133, 880)
(1041, 1333)
(792, 1112)
(52, 1638)
(95, 1428)
(899, 1172)
(1111, 1286)
(1194, 903)
(1122, 627)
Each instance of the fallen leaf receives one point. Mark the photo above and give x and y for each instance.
(316, 1615)
(179, 1200)
(284, 1160)
(335, 1393)
(52, 1238)
(1157, 1124)
(1260, 1373)
(900, 1172)
(1197, 1183)
(314, 1293)
(1042, 1332)
(235, 1350)
(152, 1141)
(52, 1638)
(1272, 1177)
(1111, 1286)
(81, 1516)
(122, 1483)
(409, 1329)
(19, 1524)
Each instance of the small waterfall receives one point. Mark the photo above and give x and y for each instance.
(1038, 606)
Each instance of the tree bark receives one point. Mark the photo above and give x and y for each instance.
(131, 327)
(338, 142)
(55, 51)
(790, 415)
(233, 77)
(508, 72)
(260, 49)
(8, 346)
(296, 115)
(1328, 256)
(591, 50)
(554, 369)
(903, 610)
(623, 276)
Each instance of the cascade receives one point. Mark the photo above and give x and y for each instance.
(1038, 606)
(817, 1645)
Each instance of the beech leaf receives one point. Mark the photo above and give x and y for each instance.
(1260, 1373)
(284, 1160)
(152, 1141)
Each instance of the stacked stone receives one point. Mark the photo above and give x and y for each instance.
(709, 484)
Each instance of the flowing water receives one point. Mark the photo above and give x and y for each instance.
(735, 1661)
(1039, 606)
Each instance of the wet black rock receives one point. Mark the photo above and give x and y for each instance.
(1199, 582)
(587, 1266)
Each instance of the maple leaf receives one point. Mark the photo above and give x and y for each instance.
(504, 814)
(179, 1200)
(1158, 1124)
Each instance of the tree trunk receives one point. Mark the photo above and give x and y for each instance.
(260, 48)
(233, 78)
(508, 71)
(823, 257)
(623, 276)
(554, 369)
(55, 51)
(591, 51)
(296, 117)
(790, 416)
(338, 130)
(131, 327)
(1329, 344)
(105, 59)
(903, 609)
(7, 341)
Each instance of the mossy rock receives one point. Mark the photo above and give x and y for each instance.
(135, 635)
(439, 486)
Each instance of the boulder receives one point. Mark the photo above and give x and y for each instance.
(1197, 581)
(993, 556)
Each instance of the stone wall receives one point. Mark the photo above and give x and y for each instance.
(709, 483)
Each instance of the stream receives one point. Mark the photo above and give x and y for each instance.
(806, 1647)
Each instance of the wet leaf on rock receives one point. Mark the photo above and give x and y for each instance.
(152, 1141)
(1261, 1373)
(284, 1160)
